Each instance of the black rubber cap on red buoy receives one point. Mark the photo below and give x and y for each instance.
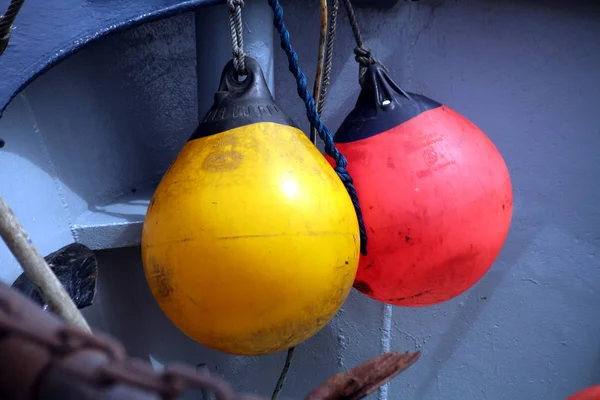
(381, 105)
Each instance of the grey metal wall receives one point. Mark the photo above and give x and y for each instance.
(110, 119)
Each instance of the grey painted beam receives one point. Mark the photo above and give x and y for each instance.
(119, 223)
(47, 32)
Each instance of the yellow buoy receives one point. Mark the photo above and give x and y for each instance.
(251, 243)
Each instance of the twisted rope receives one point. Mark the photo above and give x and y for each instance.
(313, 116)
(237, 39)
(362, 53)
(6, 22)
(323, 75)
(322, 80)
(320, 61)
(328, 55)
(281, 380)
(36, 268)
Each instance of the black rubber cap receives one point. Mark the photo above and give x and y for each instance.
(381, 105)
(239, 103)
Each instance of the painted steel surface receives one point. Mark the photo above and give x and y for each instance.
(46, 32)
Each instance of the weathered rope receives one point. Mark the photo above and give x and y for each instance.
(318, 85)
(325, 60)
(328, 55)
(313, 116)
(236, 27)
(6, 22)
(36, 268)
(286, 368)
(362, 53)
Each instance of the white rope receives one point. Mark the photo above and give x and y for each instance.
(36, 268)
(237, 40)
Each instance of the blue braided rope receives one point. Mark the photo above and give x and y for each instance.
(313, 116)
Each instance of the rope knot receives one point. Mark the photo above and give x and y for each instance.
(363, 56)
(238, 52)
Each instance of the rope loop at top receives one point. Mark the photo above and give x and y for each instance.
(237, 40)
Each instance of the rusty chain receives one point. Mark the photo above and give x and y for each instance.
(43, 358)
(49, 345)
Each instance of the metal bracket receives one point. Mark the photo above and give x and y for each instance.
(46, 32)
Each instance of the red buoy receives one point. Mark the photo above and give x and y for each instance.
(435, 193)
(590, 393)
